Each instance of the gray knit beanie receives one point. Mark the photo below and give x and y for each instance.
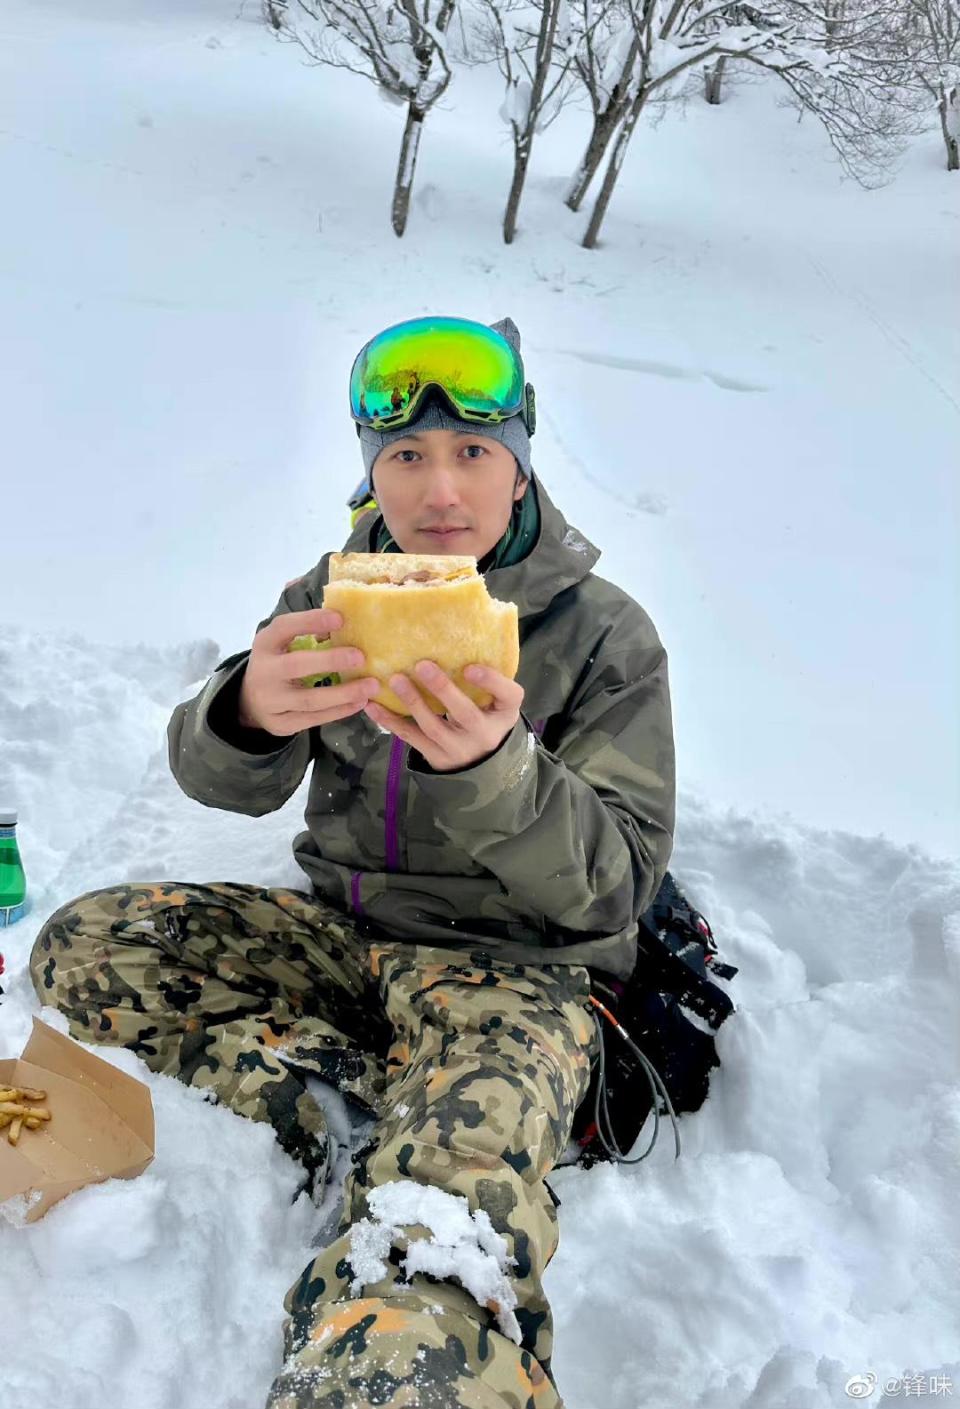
(434, 416)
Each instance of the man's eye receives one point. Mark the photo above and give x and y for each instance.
(482, 449)
(401, 454)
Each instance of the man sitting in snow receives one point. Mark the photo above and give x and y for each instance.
(467, 872)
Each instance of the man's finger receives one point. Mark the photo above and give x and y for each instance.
(506, 692)
(457, 706)
(317, 621)
(402, 725)
(328, 660)
(322, 698)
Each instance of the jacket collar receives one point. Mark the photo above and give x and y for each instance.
(560, 558)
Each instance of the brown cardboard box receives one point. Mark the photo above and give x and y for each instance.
(100, 1127)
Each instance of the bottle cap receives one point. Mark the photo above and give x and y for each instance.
(8, 819)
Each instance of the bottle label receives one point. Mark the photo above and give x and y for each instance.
(10, 831)
(10, 914)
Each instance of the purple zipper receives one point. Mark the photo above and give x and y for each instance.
(392, 841)
(390, 828)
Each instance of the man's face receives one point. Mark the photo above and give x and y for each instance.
(444, 479)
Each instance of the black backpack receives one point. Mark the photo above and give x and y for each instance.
(675, 969)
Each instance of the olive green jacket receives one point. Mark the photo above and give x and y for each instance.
(548, 850)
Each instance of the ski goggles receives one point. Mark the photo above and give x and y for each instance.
(474, 366)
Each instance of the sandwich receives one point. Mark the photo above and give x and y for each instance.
(399, 608)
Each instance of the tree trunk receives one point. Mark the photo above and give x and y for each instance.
(713, 80)
(613, 169)
(406, 167)
(521, 160)
(523, 139)
(949, 107)
(604, 126)
(834, 15)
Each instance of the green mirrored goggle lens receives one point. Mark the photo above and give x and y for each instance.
(473, 364)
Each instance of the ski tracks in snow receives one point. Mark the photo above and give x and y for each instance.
(897, 341)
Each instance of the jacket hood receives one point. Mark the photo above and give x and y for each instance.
(561, 557)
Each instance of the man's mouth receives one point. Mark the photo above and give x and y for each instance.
(443, 532)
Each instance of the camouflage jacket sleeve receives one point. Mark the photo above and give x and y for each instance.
(218, 763)
(583, 835)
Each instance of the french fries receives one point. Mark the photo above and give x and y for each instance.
(15, 1113)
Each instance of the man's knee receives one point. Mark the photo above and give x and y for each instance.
(62, 932)
(497, 1059)
(68, 966)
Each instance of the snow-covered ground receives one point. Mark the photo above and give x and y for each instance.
(749, 400)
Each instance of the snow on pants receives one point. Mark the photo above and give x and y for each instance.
(473, 1068)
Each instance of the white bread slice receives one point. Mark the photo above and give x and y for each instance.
(394, 567)
(450, 619)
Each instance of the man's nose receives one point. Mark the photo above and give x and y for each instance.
(442, 488)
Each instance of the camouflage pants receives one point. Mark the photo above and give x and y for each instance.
(472, 1067)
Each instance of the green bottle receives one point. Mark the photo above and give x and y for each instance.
(13, 882)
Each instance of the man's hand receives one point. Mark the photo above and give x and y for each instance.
(272, 697)
(465, 734)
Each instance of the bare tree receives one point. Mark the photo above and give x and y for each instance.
(856, 84)
(400, 46)
(531, 42)
(605, 59)
(949, 107)
(935, 25)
